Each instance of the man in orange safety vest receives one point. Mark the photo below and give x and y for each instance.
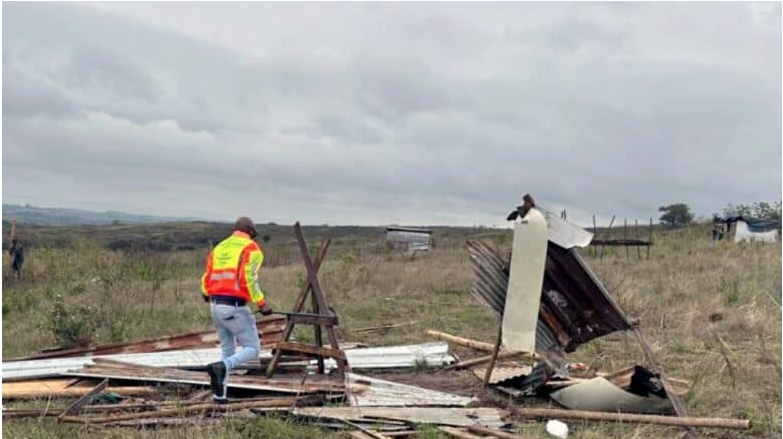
(229, 283)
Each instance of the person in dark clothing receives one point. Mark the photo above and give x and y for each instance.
(16, 252)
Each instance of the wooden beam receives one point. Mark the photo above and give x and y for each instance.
(493, 358)
(494, 432)
(313, 350)
(531, 413)
(679, 407)
(483, 359)
(178, 411)
(323, 306)
(475, 344)
(85, 399)
(298, 305)
(461, 434)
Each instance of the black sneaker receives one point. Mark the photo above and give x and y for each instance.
(217, 380)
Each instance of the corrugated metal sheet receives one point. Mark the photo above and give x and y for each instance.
(270, 330)
(389, 357)
(456, 417)
(364, 391)
(435, 354)
(167, 375)
(575, 307)
(502, 373)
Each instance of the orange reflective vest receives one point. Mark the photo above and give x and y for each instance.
(232, 269)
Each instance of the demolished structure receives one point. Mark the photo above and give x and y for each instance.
(549, 303)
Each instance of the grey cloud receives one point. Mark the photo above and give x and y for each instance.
(375, 112)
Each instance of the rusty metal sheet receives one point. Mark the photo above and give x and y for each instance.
(270, 330)
(575, 306)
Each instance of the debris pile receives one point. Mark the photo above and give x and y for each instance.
(163, 382)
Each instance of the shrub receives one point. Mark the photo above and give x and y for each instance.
(72, 325)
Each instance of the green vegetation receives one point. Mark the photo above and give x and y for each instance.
(711, 311)
(675, 215)
(760, 209)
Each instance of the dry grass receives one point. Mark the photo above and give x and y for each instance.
(712, 313)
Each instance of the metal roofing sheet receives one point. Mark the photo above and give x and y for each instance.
(366, 391)
(434, 354)
(575, 307)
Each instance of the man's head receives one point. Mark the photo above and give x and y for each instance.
(245, 224)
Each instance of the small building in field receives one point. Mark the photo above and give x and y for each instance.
(748, 229)
(409, 239)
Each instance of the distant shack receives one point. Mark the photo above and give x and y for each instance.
(749, 229)
(409, 239)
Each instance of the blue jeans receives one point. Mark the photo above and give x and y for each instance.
(235, 323)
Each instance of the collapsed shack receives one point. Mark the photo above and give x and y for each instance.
(161, 382)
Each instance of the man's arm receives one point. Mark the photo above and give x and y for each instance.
(255, 258)
(205, 278)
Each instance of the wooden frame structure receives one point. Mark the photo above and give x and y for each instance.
(321, 316)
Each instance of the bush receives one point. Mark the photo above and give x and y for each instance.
(72, 325)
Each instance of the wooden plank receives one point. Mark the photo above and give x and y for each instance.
(369, 432)
(61, 388)
(178, 411)
(462, 434)
(481, 360)
(85, 399)
(531, 413)
(308, 319)
(314, 350)
(493, 432)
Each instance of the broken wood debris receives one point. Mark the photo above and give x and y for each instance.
(54, 388)
(533, 413)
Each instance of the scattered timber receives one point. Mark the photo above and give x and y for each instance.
(493, 432)
(531, 413)
(475, 344)
(462, 434)
(484, 359)
(285, 402)
(52, 388)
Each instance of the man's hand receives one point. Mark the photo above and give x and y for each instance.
(266, 310)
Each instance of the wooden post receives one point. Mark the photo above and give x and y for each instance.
(491, 365)
(323, 307)
(649, 240)
(85, 399)
(607, 236)
(625, 232)
(298, 306)
(635, 233)
(595, 232)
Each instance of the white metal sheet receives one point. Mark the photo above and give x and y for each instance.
(364, 391)
(526, 276)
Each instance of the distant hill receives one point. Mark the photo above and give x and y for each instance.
(46, 216)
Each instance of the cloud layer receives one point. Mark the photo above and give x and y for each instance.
(391, 113)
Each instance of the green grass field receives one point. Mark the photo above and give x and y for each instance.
(711, 311)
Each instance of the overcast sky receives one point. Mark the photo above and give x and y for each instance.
(376, 113)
